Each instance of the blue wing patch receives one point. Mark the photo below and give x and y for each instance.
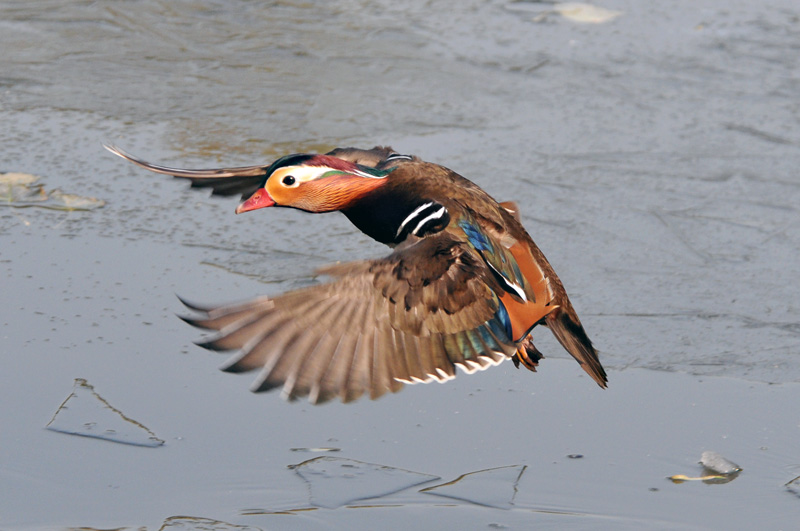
(475, 236)
(502, 315)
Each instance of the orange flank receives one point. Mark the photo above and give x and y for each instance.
(523, 315)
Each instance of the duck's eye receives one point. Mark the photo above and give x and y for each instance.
(289, 180)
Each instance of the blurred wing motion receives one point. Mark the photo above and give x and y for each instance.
(410, 317)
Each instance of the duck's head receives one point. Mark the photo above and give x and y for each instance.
(315, 183)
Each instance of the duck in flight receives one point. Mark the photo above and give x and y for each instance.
(464, 285)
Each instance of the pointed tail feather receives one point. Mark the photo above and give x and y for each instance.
(573, 338)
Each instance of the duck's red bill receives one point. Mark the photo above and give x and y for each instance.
(260, 199)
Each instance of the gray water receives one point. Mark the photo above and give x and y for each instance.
(655, 159)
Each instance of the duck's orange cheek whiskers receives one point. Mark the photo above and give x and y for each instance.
(260, 199)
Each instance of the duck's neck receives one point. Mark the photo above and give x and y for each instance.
(392, 216)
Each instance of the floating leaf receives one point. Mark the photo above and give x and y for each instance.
(335, 481)
(86, 413)
(21, 190)
(494, 487)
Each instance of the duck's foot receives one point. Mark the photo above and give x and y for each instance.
(527, 355)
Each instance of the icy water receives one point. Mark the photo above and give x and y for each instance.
(655, 156)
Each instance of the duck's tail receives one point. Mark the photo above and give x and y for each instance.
(573, 338)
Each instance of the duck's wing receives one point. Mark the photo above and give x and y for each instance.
(379, 157)
(244, 180)
(410, 317)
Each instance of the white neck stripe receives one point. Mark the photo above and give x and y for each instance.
(411, 216)
(436, 215)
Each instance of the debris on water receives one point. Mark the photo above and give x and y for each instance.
(21, 190)
(680, 478)
(575, 456)
(336, 481)
(793, 486)
(580, 13)
(493, 487)
(716, 463)
(15, 180)
(86, 413)
(716, 469)
(315, 450)
(194, 523)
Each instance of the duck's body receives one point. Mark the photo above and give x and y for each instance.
(464, 286)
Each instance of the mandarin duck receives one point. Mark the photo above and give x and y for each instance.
(464, 286)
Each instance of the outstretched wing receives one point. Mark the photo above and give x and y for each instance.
(242, 180)
(245, 180)
(378, 157)
(410, 317)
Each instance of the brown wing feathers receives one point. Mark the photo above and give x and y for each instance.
(361, 333)
(412, 317)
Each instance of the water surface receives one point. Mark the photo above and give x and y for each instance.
(655, 161)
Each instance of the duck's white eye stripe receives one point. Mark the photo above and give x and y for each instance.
(365, 174)
(398, 156)
(436, 215)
